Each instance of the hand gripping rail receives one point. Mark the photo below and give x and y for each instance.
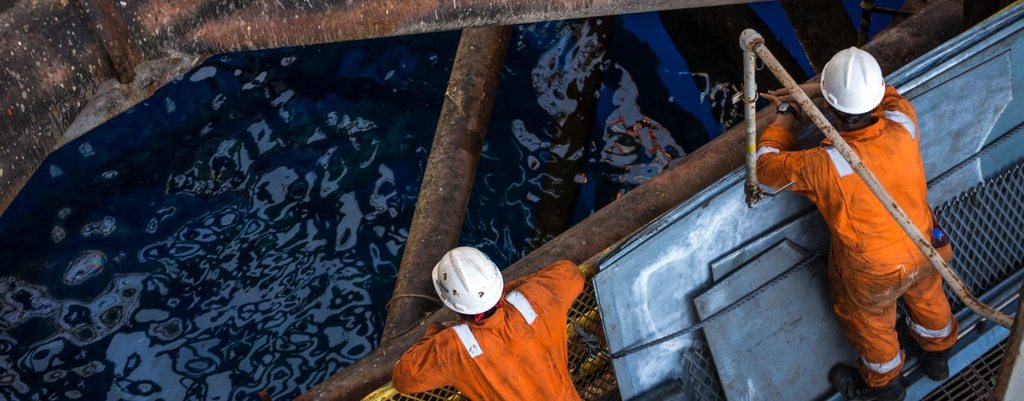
(752, 42)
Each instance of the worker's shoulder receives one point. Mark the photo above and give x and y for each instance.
(441, 332)
(560, 270)
(894, 101)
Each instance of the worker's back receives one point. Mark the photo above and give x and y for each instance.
(518, 353)
(890, 149)
(858, 221)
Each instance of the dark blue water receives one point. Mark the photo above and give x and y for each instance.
(241, 229)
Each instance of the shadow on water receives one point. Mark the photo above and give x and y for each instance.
(241, 229)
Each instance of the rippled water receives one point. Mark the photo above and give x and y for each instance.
(241, 229)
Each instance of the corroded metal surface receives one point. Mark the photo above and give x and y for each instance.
(823, 28)
(52, 61)
(1010, 384)
(449, 175)
(109, 28)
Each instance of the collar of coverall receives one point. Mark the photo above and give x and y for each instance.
(492, 320)
(870, 131)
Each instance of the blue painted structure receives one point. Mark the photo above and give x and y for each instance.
(711, 251)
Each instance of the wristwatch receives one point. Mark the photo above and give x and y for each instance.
(785, 108)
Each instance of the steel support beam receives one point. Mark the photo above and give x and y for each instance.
(979, 10)
(893, 48)
(451, 170)
(1010, 384)
(823, 28)
(51, 63)
(108, 26)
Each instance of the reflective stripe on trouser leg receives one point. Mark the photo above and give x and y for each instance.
(930, 317)
(884, 367)
(929, 333)
(865, 307)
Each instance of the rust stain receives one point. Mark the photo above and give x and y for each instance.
(256, 26)
(159, 14)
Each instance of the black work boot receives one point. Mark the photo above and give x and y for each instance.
(935, 364)
(847, 381)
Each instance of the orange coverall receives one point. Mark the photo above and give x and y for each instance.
(518, 353)
(872, 261)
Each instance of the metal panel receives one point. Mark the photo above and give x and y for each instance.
(646, 288)
(808, 230)
(768, 350)
(753, 274)
(961, 130)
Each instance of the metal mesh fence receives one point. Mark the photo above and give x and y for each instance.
(986, 225)
(973, 383)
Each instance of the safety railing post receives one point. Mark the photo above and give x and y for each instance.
(751, 188)
(1010, 383)
(752, 40)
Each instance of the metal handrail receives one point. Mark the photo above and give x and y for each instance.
(753, 41)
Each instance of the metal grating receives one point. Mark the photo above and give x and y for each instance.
(589, 365)
(701, 375)
(986, 225)
(973, 383)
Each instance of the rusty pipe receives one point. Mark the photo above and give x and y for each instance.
(754, 41)
(449, 175)
(751, 188)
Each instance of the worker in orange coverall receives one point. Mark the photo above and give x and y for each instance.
(872, 261)
(510, 343)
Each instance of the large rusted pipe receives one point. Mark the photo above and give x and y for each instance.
(448, 178)
(109, 28)
(51, 63)
(893, 48)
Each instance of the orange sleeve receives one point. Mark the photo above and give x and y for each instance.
(422, 367)
(778, 161)
(565, 281)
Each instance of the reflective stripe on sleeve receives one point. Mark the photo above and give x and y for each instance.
(884, 366)
(765, 150)
(842, 167)
(903, 119)
(929, 333)
(468, 340)
(517, 299)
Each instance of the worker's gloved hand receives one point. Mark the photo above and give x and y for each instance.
(776, 101)
(812, 89)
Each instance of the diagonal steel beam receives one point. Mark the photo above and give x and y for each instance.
(449, 175)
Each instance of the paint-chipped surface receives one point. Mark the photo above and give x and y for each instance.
(52, 61)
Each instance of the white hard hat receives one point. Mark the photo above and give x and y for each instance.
(467, 281)
(852, 82)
